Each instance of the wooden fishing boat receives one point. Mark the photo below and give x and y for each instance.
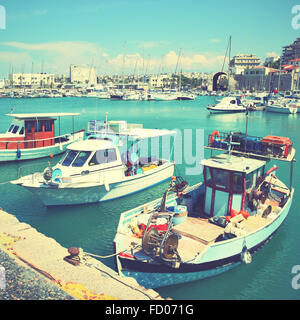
(32, 136)
(209, 228)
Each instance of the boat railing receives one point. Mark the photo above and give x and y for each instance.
(249, 146)
(58, 139)
(33, 169)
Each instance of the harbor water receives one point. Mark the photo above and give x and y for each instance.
(92, 227)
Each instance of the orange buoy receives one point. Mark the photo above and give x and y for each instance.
(51, 155)
(245, 213)
(214, 133)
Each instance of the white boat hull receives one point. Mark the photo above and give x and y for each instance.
(74, 195)
(278, 109)
(36, 153)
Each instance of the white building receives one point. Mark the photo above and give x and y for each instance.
(161, 81)
(83, 74)
(31, 79)
(241, 62)
(271, 59)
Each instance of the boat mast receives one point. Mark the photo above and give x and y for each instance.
(229, 52)
(279, 76)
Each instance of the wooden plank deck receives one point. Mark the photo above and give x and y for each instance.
(199, 229)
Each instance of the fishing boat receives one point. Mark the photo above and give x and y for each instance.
(227, 105)
(256, 103)
(32, 136)
(282, 106)
(204, 230)
(102, 167)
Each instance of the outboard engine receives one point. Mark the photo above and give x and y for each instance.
(47, 174)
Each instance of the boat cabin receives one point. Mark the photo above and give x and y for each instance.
(31, 131)
(232, 101)
(227, 180)
(89, 156)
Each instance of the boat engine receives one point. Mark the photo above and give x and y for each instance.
(162, 245)
(47, 174)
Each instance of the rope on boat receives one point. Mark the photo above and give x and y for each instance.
(103, 257)
(109, 256)
(110, 275)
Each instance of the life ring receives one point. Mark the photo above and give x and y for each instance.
(214, 133)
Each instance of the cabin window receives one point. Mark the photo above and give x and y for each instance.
(221, 178)
(69, 158)
(81, 158)
(48, 126)
(249, 180)
(237, 183)
(103, 156)
(232, 101)
(10, 128)
(208, 177)
(15, 130)
(21, 131)
(28, 126)
(38, 126)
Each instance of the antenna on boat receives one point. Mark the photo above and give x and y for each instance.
(106, 126)
(246, 130)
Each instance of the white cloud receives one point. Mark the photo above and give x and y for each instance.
(272, 54)
(215, 40)
(57, 57)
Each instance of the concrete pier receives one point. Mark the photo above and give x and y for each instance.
(91, 280)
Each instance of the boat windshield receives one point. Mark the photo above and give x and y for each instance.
(71, 155)
(81, 158)
(76, 158)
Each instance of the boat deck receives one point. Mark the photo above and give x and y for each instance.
(199, 230)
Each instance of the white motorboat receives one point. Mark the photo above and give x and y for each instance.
(228, 105)
(165, 96)
(282, 106)
(185, 96)
(96, 169)
(132, 96)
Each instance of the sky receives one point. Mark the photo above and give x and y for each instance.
(140, 36)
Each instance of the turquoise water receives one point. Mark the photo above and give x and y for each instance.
(92, 227)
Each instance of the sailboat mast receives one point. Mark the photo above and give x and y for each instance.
(229, 52)
(279, 76)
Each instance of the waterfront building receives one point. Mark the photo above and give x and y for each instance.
(31, 80)
(241, 62)
(161, 81)
(291, 52)
(83, 74)
(262, 78)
